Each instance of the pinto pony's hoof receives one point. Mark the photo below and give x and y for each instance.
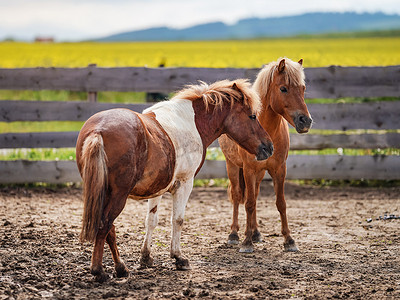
(290, 246)
(146, 262)
(121, 270)
(233, 239)
(101, 278)
(99, 274)
(182, 264)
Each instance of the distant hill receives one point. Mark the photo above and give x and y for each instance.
(310, 23)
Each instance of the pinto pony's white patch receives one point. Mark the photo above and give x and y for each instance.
(177, 118)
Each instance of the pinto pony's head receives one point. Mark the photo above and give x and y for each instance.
(235, 105)
(281, 86)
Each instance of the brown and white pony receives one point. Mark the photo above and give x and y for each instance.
(281, 87)
(122, 153)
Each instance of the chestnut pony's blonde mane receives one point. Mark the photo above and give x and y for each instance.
(294, 74)
(217, 93)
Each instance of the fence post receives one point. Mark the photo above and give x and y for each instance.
(92, 96)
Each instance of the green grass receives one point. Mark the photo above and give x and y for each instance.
(38, 154)
(19, 127)
(217, 182)
(212, 153)
(47, 95)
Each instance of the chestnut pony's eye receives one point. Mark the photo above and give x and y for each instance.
(283, 89)
(253, 117)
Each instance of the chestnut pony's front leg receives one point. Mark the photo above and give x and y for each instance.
(180, 197)
(279, 182)
(252, 181)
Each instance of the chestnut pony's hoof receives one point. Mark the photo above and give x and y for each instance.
(256, 238)
(246, 247)
(290, 246)
(233, 239)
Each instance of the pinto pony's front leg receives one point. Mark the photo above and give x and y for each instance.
(151, 222)
(180, 198)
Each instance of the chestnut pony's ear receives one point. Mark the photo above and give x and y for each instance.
(300, 62)
(281, 66)
(235, 87)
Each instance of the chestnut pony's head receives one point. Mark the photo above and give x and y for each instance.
(281, 86)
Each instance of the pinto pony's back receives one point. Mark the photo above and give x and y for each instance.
(94, 175)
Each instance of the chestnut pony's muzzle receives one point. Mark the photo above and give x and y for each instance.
(303, 123)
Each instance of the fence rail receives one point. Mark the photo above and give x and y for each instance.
(340, 116)
(297, 142)
(332, 82)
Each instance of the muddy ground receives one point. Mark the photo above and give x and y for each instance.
(342, 253)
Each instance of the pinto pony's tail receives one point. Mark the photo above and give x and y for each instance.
(94, 175)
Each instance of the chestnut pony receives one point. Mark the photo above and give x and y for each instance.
(281, 87)
(122, 153)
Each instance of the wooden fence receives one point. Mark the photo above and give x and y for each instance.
(331, 82)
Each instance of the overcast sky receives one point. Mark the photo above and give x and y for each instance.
(83, 19)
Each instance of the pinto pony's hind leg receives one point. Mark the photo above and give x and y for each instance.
(96, 267)
(120, 268)
(114, 204)
(279, 181)
(151, 222)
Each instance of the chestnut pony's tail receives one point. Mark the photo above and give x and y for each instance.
(94, 175)
(242, 186)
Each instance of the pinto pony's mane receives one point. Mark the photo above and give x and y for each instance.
(293, 72)
(222, 91)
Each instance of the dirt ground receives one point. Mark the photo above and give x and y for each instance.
(346, 250)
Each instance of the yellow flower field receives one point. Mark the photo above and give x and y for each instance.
(316, 52)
